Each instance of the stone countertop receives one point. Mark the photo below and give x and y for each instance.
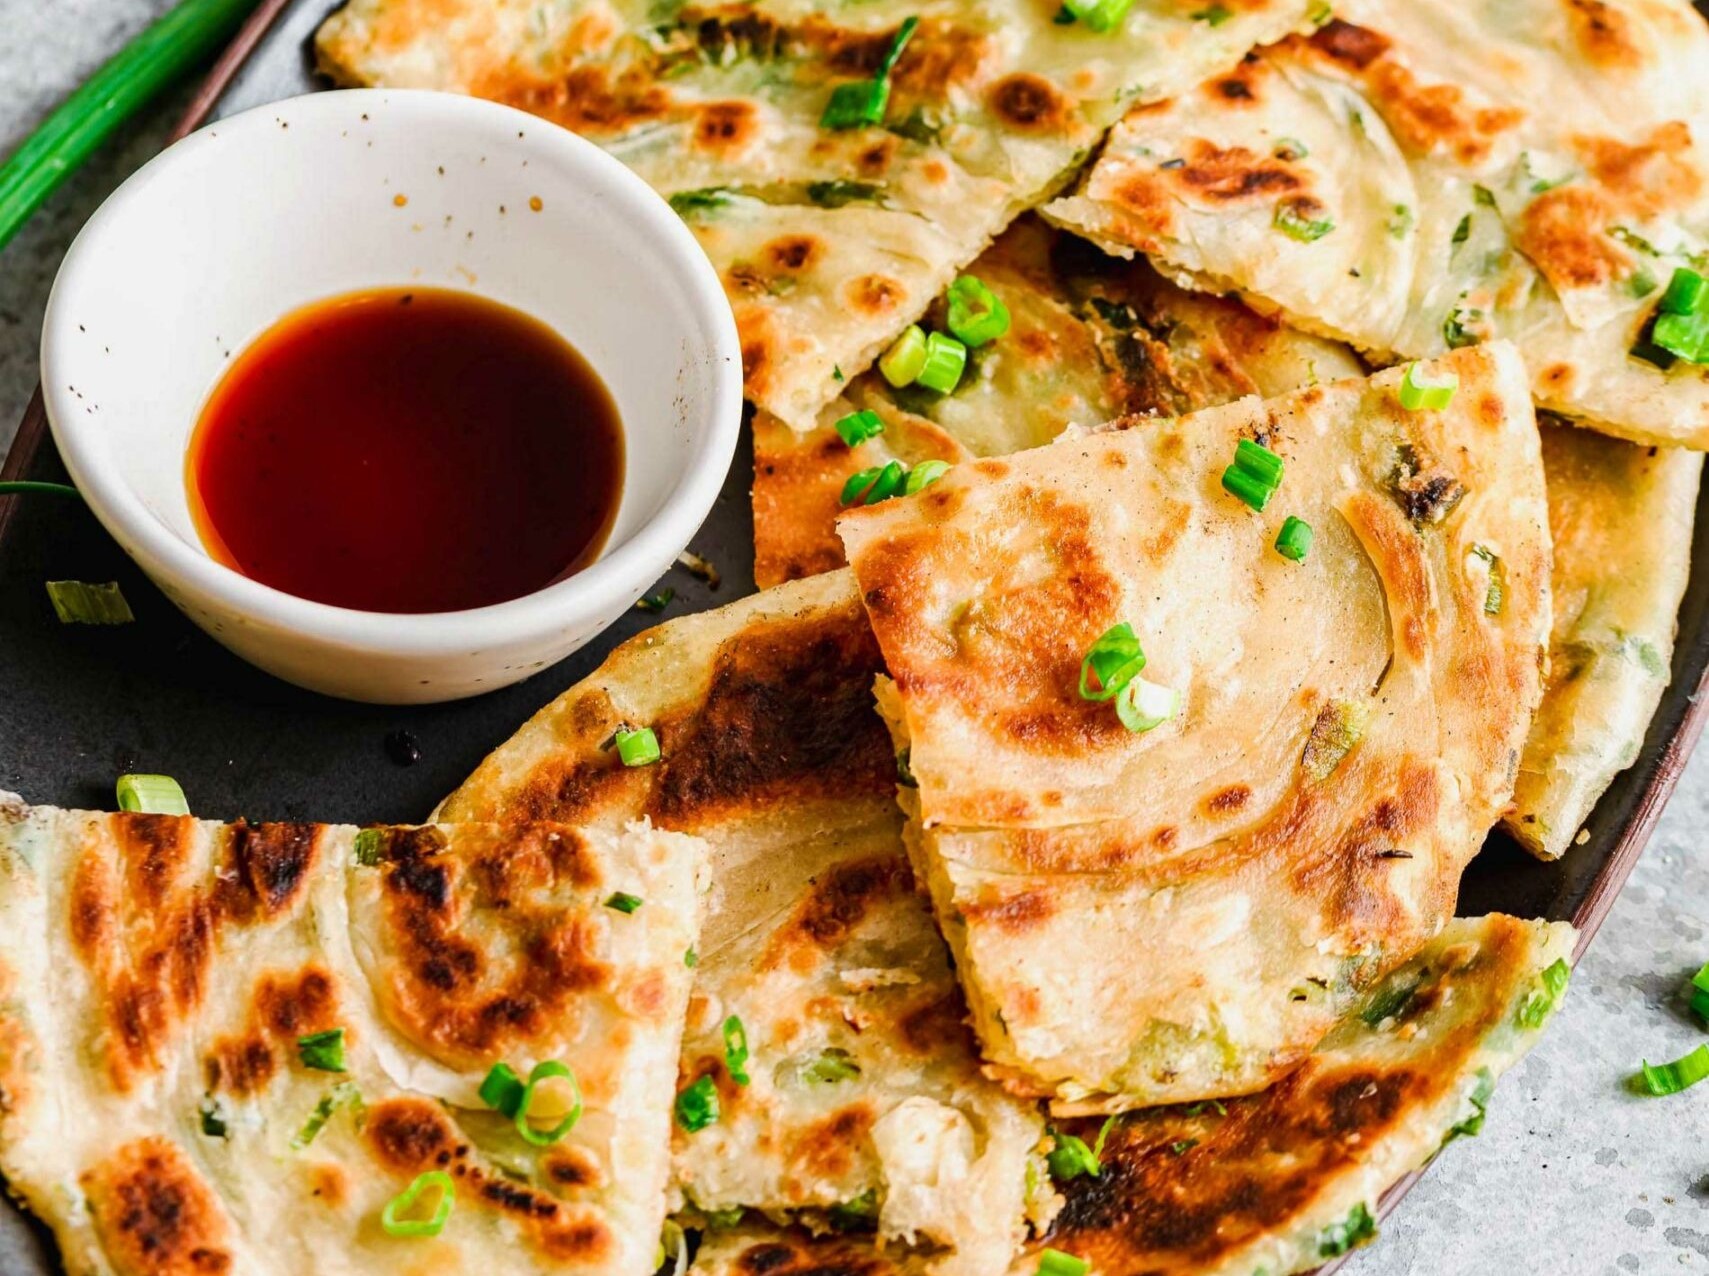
(1573, 1174)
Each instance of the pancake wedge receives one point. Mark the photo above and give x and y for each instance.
(1091, 338)
(829, 239)
(166, 978)
(1282, 1181)
(1418, 176)
(1183, 912)
(1621, 519)
(864, 1103)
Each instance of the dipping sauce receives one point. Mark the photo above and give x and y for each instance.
(407, 450)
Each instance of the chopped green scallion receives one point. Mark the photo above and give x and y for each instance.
(697, 1105)
(1421, 391)
(1681, 1074)
(152, 795)
(77, 602)
(1215, 15)
(690, 958)
(1142, 705)
(1479, 1099)
(624, 902)
(369, 845)
(862, 103)
(857, 427)
(1294, 540)
(502, 1089)
(901, 363)
(1111, 663)
(1255, 474)
(541, 1137)
(1495, 595)
(945, 359)
(394, 1217)
(923, 476)
(1053, 1262)
(639, 747)
(830, 1067)
(1541, 1000)
(1071, 1157)
(736, 1050)
(213, 1118)
(322, 1051)
(1687, 292)
(345, 1092)
(1098, 15)
(1295, 222)
(656, 601)
(976, 314)
(1353, 1231)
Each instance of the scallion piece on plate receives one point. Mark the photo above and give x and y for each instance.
(1681, 1074)
(1142, 705)
(945, 359)
(639, 747)
(152, 795)
(857, 427)
(736, 1050)
(924, 475)
(77, 602)
(1698, 989)
(1419, 390)
(322, 1051)
(1111, 663)
(396, 1219)
(901, 364)
(624, 902)
(976, 314)
(1053, 1262)
(1294, 540)
(567, 1113)
(697, 1105)
(1098, 15)
(862, 103)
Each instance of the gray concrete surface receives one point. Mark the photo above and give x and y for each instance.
(1573, 1175)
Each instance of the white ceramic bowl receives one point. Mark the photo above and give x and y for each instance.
(216, 239)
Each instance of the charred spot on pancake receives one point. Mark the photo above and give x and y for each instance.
(796, 1253)
(410, 1135)
(1425, 492)
(757, 329)
(938, 1026)
(792, 254)
(581, 1239)
(1228, 174)
(155, 1213)
(1030, 103)
(585, 99)
(1015, 913)
(283, 1007)
(726, 126)
(1604, 34)
(1229, 800)
(1354, 46)
(155, 849)
(826, 1148)
(837, 902)
(570, 1167)
(273, 861)
(787, 713)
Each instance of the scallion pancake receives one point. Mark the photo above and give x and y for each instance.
(1422, 175)
(1182, 913)
(167, 979)
(829, 241)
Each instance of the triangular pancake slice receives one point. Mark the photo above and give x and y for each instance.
(864, 1103)
(1417, 176)
(1621, 518)
(232, 1048)
(1282, 1181)
(829, 241)
(1181, 913)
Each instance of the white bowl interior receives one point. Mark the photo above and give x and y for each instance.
(285, 205)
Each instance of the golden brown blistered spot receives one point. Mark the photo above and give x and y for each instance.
(1652, 178)
(758, 331)
(874, 157)
(329, 1184)
(1604, 35)
(798, 481)
(571, 1168)
(266, 869)
(1144, 203)
(1430, 118)
(1228, 801)
(1014, 913)
(991, 467)
(154, 850)
(726, 127)
(1561, 231)
(940, 59)
(1350, 45)
(826, 1148)
(586, 99)
(581, 1238)
(1557, 378)
(837, 902)
(464, 995)
(872, 295)
(1240, 87)
(154, 1213)
(1030, 103)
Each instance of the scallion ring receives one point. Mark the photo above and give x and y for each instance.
(857, 427)
(901, 364)
(639, 747)
(1681, 1074)
(1053, 1262)
(548, 1070)
(976, 314)
(945, 359)
(1294, 540)
(392, 1217)
(152, 795)
(1142, 705)
(1419, 390)
(1110, 663)
(923, 476)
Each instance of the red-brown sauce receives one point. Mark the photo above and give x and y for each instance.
(407, 450)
